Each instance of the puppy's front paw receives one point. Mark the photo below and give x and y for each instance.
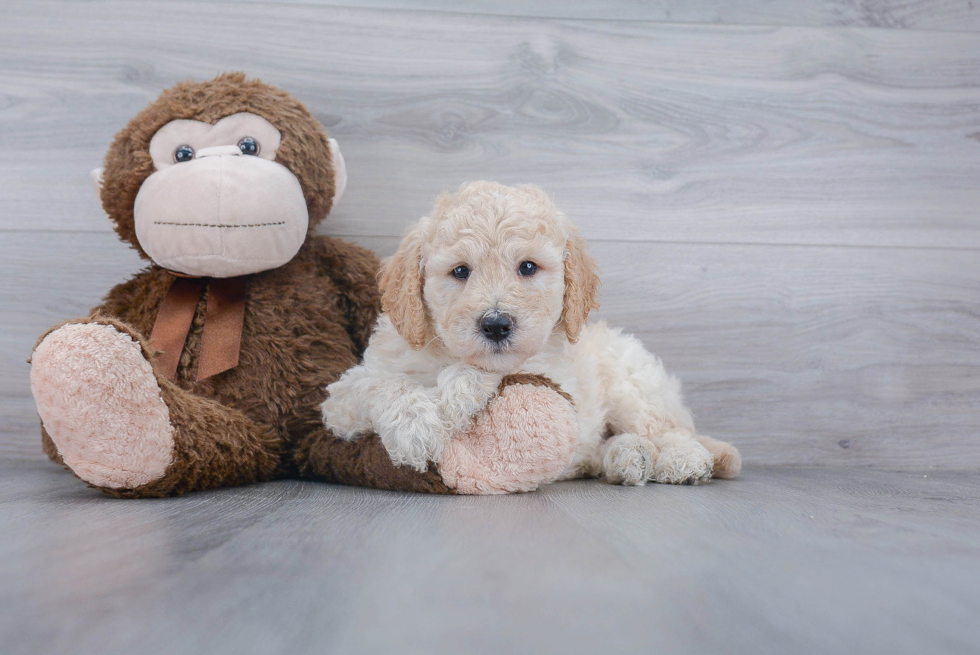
(683, 461)
(464, 391)
(629, 460)
(413, 431)
(345, 411)
(339, 419)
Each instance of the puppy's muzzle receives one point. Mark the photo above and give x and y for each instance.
(496, 326)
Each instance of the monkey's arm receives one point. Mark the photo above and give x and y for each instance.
(354, 272)
(137, 300)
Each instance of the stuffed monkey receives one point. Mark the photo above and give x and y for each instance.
(208, 367)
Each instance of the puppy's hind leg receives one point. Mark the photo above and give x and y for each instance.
(642, 399)
(728, 461)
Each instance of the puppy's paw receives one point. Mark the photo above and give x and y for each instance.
(629, 460)
(683, 461)
(464, 391)
(340, 422)
(413, 431)
(343, 411)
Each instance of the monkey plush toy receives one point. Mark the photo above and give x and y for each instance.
(208, 368)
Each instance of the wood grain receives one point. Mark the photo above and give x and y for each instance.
(778, 561)
(951, 15)
(787, 215)
(805, 355)
(658, 132)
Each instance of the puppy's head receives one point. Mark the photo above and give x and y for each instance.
(492, 272)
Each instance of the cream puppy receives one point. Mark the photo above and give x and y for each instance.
(496, 280)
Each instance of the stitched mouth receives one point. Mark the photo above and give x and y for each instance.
(217, 225)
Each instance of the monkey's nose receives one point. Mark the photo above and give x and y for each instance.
(496, 327)
(218, 150)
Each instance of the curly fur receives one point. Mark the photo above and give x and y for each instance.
(428, 366)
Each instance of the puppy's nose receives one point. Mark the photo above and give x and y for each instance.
(496, 327)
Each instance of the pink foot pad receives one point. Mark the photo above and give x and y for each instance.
(525, 438)
(100, 402)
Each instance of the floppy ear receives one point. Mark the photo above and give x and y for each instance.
(401, 289)
(581, 287)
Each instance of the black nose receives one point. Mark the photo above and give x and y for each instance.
(496, 327)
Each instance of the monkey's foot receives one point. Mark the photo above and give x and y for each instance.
(525, 438)
(100, 402)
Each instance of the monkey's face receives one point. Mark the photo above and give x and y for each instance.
(221, 178)
(218, 204)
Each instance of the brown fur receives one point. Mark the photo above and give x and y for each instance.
(536, 380)
(364, 463)
(581, 287)
(51, 450)
(304, 149)
(306, 322)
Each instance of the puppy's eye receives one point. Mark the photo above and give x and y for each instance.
(248, 146)
(527, 269)
(183, 153)
(460, 272)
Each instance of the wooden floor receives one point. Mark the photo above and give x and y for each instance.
(782, 560)
(784, 198)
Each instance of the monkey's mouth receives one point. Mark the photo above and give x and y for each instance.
(221, 216)
(218, 224)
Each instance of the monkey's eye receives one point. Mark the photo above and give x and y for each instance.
(248, 146)
(527, 269)
(183, 153)
(460, 272)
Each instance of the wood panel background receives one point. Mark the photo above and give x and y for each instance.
(783, 197)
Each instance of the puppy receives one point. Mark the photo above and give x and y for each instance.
(495, 281)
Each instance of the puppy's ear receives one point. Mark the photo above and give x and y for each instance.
(401, 289)
(581, 286)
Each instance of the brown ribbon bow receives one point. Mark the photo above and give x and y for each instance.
(221, 340)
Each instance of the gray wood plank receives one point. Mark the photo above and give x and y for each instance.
(787, 216)
(799, 355)
(658, 132)
(951, 15)
(780, 560)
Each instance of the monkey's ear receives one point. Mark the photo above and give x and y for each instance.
(339, 171)
(581, 286)
(401, 285)
(97, 179)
